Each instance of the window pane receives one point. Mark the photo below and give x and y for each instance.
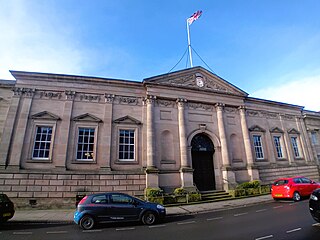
(258, 146)
(126, 145)
(278, 146)
(42, 142)
(85, 143)
(294, 142)
(314, 139)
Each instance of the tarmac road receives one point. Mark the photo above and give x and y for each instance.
(266, 220)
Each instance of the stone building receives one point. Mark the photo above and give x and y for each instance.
(61, 135)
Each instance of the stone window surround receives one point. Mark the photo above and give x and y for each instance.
(86, 133)
(135, 128)
(258, 131)
(41, 123)
(294, 133)
(297, 136)
(282, 145)
(76, 127)
(261, 147)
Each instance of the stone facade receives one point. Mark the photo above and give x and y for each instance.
(65, 135)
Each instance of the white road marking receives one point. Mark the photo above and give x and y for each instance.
(240, 214)
(292, 204)
(293, 230)
(124, 229)
(261, 210)
(22, 233)
(183, 223)
(157, 226)
(57, 232)
(95, 230)
(265, 237)
(316, 225)
(216, 218)
(278, 206)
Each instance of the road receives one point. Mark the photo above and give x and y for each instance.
(276, 220)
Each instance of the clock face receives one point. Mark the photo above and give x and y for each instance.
(200, 82)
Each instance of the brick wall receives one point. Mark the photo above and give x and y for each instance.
(60, 189)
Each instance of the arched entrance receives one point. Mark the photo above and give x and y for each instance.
(202, 162)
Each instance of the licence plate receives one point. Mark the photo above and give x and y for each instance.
(6, 214)
(278, 195)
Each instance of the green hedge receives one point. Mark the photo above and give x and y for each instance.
(179, 195)
(250, 189)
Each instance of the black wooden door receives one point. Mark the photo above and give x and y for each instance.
(202, 163)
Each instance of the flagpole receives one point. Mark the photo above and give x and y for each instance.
(189, 44)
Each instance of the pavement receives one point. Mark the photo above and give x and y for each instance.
(66, 215)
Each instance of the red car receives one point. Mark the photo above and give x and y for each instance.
(293, 188)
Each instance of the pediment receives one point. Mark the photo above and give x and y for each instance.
(256, 128)
(87, 117)
(196, 78)
(276, 130)
(45, 116)
(127, 120)
(293, 131)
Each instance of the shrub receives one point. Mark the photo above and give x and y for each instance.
(194, 197)
(180, 191)
(255, 184)
(169, 199)
(246, 185)
(153, 192)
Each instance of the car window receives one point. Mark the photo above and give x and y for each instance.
(121, 199)
(306, 180)
(100, 199)
(297, 180)
(280, 182)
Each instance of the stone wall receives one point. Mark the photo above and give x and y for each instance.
(60, 189)
(269, 175)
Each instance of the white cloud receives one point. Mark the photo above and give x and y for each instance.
(30, 42)
(302, 92)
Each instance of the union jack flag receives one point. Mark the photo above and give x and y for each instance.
(194, 17)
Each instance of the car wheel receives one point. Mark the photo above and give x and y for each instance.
(87, 222)
(296, 197)
(149, 218)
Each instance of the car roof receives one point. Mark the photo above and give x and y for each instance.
(289, 178)
(105, 193)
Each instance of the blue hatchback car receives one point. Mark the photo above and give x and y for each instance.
(115, 207)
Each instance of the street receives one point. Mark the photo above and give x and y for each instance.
(275, 220)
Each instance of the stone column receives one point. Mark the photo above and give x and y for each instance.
(222, 135)
(186, 172)
(246, 136)
(63, 139)
(252, 171)
(7, 134)
(182, 134)
(152, 178)
(21, 126)
(106, 129)
(229, 178)
(287, 142)
(305, 141)
(150, 132)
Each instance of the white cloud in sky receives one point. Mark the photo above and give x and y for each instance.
(31, 42)
(303, 92)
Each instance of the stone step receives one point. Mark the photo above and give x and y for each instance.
(215, 195)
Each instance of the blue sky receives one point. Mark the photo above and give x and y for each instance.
(268, 48)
